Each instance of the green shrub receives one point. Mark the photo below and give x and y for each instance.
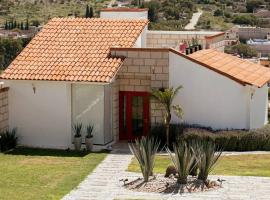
(233, 140)
(8, 140)
(158, 131)
(245, 20)
(229, 140)
(242, 49)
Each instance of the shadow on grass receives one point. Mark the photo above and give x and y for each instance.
(50, 152)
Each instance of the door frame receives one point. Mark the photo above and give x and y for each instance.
(146, 114)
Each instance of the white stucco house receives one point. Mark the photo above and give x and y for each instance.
(101, 71)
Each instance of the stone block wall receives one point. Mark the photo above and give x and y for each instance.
(115, 110)
(246, 33)
(4, 109)
(143, 70)
(172, 39)
(216, 42)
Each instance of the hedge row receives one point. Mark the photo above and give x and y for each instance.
(228, 140)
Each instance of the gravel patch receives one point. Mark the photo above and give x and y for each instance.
(161, 184)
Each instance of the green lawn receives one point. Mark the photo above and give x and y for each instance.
(244, 165)
(43, 174)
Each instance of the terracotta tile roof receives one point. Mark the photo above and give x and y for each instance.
(75, 49)
(240, 70)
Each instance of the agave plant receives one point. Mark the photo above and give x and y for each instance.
(77, 129)
(207, 156)
(8, 139)
(183, 160)
(194, 167)
(165, 98)
(144, 151)
(89, 130)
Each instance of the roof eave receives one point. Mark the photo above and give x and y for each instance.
(208, 67)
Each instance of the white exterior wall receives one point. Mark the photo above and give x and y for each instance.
(89, 107)
(141, 40)
(259, 107)
(43, 117)
(124, 15)
(208, 98)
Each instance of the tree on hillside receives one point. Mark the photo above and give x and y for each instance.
(35, 23)
(22, 27)
(27, 24)
(218, 12)
(6, 25)
(91, 13)
(9, 25)
(253, 4)
(87, 12)
(153, 8)
(243, 50)
(248, 19)
(9, 49)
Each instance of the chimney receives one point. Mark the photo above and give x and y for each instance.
(193, 48)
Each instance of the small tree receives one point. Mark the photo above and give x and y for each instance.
(218, 12)
(91, 12)
(251, 5)
(9, 25)
(22, 27)
(153, 7)
(87, 12)
(243, 50)
(6, 25)
(27, 24)
(165, 98)
(15, 24)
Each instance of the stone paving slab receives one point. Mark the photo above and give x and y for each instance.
(103, 184)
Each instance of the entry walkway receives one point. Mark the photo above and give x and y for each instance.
(103, 184)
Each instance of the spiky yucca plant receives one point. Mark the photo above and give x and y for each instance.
(89, 130)
(8, 139)
(77, 129)
(194, 167)
(165, 98)
(183, 160)
(207, 156)
(144, 151)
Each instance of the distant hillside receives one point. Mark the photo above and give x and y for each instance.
(223, 14)
(42, 10)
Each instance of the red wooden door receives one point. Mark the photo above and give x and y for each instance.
(133, 115)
